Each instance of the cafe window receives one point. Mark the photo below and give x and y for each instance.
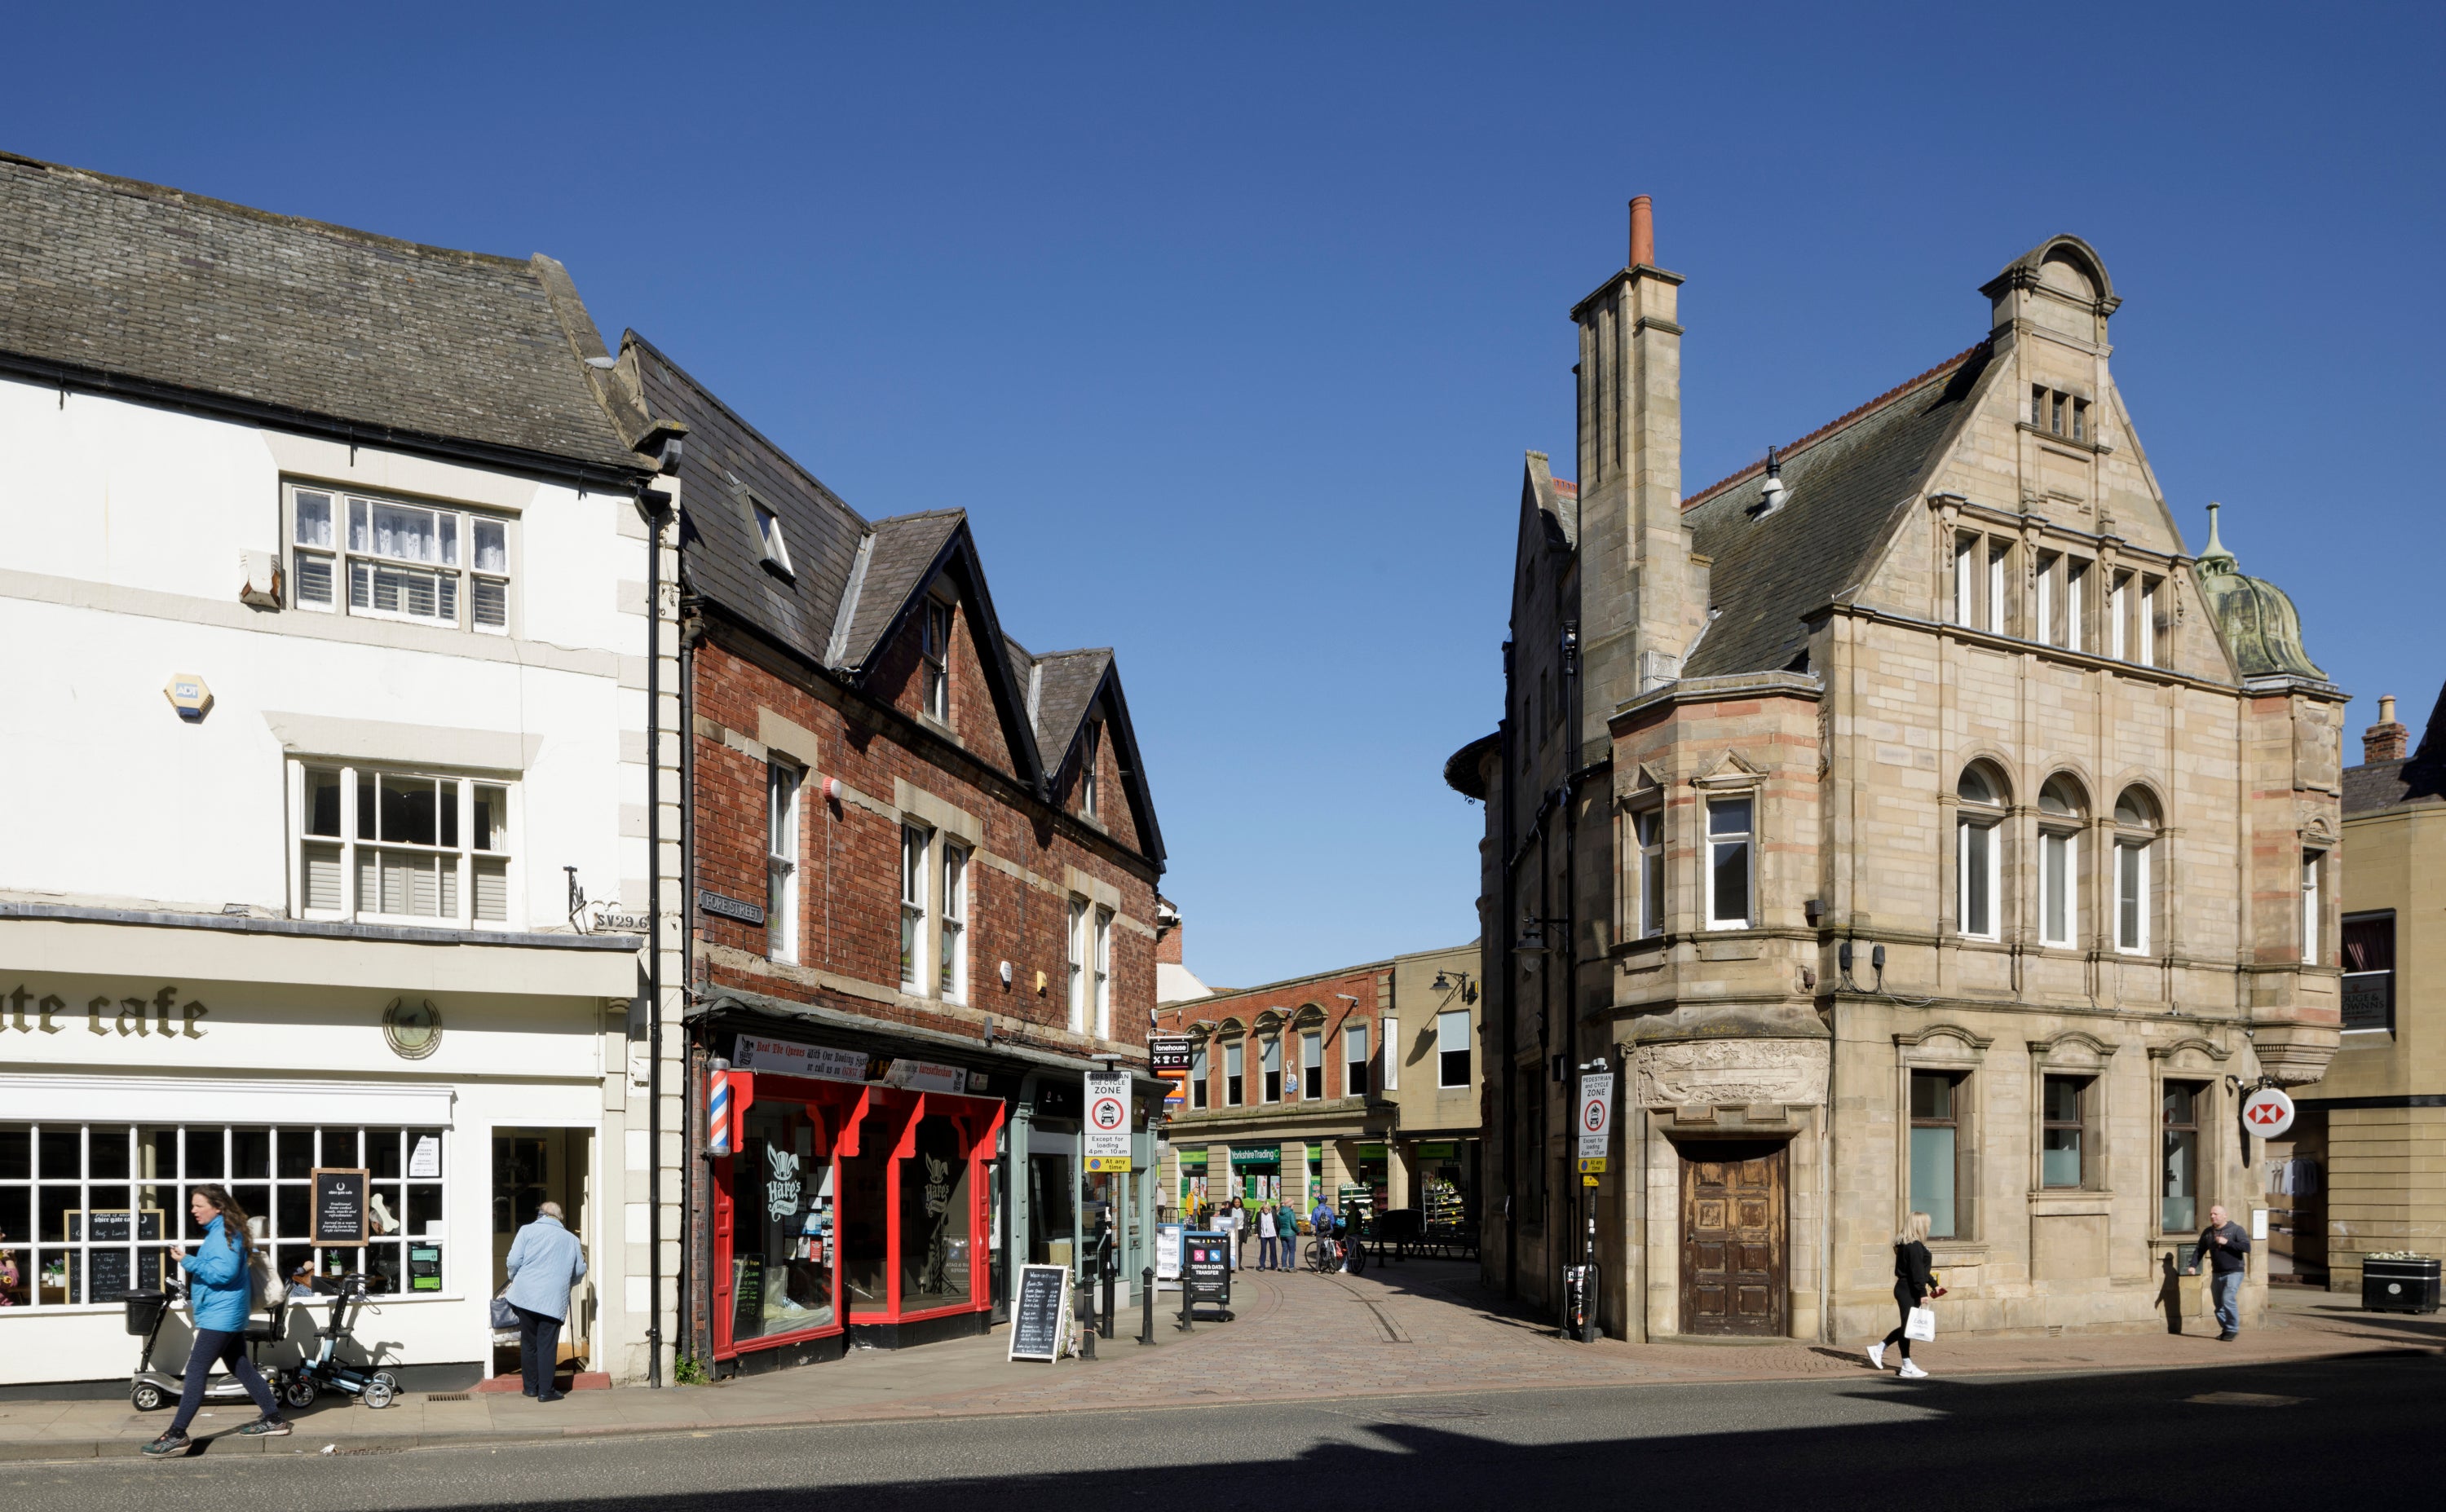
(2063, 1105)
(1312, 1064)
(2178, 1207)
(1936, 1150)
(90, 1211)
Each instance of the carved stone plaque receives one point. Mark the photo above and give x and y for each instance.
(1717, 1072)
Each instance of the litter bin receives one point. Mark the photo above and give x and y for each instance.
(2399, 1285)
(144, 1310)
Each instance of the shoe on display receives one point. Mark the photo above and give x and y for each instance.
(1877, 1355)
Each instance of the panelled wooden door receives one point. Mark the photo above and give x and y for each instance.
(1733, 1237)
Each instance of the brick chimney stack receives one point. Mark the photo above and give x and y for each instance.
(2385, 740)
(1167, 934)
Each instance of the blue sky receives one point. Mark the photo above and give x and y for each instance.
(1229, 325)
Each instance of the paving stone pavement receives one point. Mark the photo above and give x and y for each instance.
(1418, 1327)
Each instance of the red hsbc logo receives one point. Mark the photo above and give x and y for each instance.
(2267, 1112)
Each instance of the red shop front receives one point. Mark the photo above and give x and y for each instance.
(850, 1207)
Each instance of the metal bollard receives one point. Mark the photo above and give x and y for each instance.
(1086, 1324)
(1110, 1271)
(1146, 1305)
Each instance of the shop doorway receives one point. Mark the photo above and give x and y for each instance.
(531, 1167)
(1733, 1223)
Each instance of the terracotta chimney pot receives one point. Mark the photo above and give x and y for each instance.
(2385, 740)
(1642, 232)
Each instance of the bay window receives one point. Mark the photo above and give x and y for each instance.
(393, 559)
(2312, 862)
(374, 844)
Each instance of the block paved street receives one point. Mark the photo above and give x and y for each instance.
(1420, 1327)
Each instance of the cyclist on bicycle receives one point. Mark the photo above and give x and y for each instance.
(1322, 1221)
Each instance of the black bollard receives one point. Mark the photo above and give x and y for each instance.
(1110, 1271)
(1146, 1305)
(1086, 1324)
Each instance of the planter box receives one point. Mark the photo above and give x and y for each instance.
(2399, 1286)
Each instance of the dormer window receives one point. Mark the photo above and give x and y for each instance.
(934, 645)
(2057, 413)
(768, 536)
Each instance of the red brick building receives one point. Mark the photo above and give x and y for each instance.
(922, 865)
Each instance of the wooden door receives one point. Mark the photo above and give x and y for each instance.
(1733, 1225)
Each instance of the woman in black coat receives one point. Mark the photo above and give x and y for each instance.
(1913, 1286)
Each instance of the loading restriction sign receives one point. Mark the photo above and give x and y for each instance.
(1596, 1120)
(1107, 1136)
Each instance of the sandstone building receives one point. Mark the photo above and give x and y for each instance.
(1915, 822)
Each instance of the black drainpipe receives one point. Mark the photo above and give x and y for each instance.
(656, 507)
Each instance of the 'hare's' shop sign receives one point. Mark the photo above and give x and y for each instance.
(161, 1015)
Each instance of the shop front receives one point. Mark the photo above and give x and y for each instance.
(847, 1210)
(1257, 1172)
(121, 1096)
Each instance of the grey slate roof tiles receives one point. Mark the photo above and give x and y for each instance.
(177, 291)
(1845, 482)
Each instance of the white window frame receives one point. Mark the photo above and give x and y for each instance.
(782, 785)
(2000, 552)
(2058, 873)
(2076, 583)
(477, 574)
(952, 974)
(1075, 989)
(768, 536)
(935, 650)
(1201, 1067)
(2132, 894)
(2147, 628)
(2311, 925)
(1452, 1038)
(1104, 968)
(916, 880)
(1312, 1059)
(1966, 607)
(2050, 566)
(468, 863)
(1354, 1059)
(1392, 1055)
(1647, 842)
(1236, 1082)
(1714, 842)
(2118, 604)
(1270, 1068)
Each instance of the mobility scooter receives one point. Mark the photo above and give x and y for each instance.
(152, 1388)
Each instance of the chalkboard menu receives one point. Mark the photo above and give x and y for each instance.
(339, 1206)
(1035, 1318)
(110, 1272)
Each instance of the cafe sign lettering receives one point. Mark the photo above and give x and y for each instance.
(161, 1015)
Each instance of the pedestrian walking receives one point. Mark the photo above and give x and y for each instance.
(220, 1294)
(1265, 1239)
(545, 1262)
(1914, 1285)
(2228, 1248)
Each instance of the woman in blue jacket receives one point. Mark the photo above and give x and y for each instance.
(219, 1294)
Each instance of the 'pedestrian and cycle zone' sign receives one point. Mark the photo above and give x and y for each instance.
(1108, 1121)
(1595, 1120)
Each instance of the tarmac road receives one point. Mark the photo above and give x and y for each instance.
(2361, 1433)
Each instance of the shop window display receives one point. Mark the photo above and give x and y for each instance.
(782, 1226)
(935, 1240)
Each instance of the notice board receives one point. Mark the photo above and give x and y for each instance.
(339, 1205)
(1037, 1315)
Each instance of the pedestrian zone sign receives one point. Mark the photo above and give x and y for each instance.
(1107, 1137)
(1595, 1120)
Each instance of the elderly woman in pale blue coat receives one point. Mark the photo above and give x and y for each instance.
(545, 1262)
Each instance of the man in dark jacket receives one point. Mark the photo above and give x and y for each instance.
(2228, 1248)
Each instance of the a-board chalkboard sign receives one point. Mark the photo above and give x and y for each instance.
(1037, 1318)
(1206, 1269)
(339, 1205)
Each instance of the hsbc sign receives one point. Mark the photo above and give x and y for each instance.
(2267, 1113)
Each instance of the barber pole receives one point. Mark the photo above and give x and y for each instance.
(717, 1115)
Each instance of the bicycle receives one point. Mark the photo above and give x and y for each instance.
(1323, 1257)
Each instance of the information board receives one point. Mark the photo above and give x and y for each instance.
(1595, 1120)
(1039, 1312)
(339, 1205)
(1107, 1135)
(424, 1267)
(1167, 1252)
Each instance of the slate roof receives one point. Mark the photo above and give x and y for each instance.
(852, 580)
(2420, 778)
(1846, 483)
(172, 296)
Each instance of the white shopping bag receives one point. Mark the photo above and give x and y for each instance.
(1921, 1325)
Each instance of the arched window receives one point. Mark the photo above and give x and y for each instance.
(2135, 845)
(2062, 806)
(1979, 851)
